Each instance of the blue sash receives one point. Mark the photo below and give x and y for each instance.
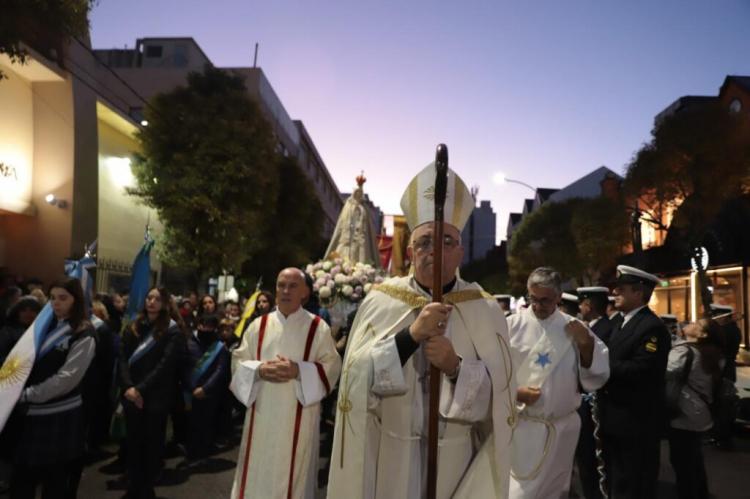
(146, 345)
(53, 338)
(205, 362)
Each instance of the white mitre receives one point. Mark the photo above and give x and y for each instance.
(418, 202)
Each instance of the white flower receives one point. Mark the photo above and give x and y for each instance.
(378, 280)
(358, 290)
(367, 287)
(347, 290)
(331, 283)
(327, 265)
(309, 269)
(320, 273)
(340, 279)
(321, 281)
(315, 286)
(325, 292)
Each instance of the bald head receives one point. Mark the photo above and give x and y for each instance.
(291, 290)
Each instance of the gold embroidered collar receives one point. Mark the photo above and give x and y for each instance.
(415, 300)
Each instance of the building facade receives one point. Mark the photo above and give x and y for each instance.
(478, 235)
(158, 65)
(66, 140)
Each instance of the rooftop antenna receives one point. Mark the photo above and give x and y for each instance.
(255, 58)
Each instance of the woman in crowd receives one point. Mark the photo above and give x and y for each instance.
(699, 357)
(207, 305)
(148, 362)
(20, 317)
(50, 431)
(263, 304)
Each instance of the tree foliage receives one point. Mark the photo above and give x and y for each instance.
(296, 223)
(697, 159)
(209, 168)
(580, 238)
(44, 25)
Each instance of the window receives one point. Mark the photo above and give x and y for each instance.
(153, 51)
(180, 56)
(735, 106)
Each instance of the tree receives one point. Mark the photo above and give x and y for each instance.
(45, 25)
(296, 222)
(209, 168)
(697, 160)
(580, 238)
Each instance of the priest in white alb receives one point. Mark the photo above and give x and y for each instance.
(554, 354)
(286, 365)
(380, 439)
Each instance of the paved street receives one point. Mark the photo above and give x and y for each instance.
(726, 471)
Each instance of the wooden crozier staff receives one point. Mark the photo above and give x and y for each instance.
(441, 182)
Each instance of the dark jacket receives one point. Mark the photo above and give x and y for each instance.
(632, 401)
(155, 374)
(10, 333)
(216, 377)
(603, 329)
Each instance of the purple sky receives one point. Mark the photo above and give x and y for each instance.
(544, 91)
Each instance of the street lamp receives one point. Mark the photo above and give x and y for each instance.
(499, 178)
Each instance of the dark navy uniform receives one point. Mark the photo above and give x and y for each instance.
(632, 405)
(155, 377)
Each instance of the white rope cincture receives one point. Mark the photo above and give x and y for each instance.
(599, 448)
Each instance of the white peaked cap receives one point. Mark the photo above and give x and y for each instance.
(593, 289)
(418, 202)
(569, 297)
(626, 275)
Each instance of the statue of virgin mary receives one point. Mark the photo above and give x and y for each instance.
(354, 239)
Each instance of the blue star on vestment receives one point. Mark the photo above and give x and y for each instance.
(543, 359)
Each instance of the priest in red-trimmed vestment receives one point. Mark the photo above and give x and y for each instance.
(286, 365)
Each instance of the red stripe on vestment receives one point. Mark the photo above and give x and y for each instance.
(246, 464)
(261, 333)
(298, 416)
(310, 337)
(323, 377)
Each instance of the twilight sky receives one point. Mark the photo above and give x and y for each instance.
(543, 91)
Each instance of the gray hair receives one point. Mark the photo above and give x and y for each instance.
(545, 277)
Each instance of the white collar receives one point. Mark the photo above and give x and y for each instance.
(629, 315)
(591, 323)
(293, 316)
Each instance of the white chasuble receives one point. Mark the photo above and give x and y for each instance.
(380, 440)
(279, 451)
(546, 435)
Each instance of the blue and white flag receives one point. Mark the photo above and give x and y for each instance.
(140, 280)
(36, 341)
(79, 269)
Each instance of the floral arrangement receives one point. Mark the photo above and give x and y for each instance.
(337, 279)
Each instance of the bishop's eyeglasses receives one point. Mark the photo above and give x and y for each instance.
(424, 244)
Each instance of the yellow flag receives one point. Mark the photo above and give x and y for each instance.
(249, 309)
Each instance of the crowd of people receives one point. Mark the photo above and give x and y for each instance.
(104, 376)
(592, 381)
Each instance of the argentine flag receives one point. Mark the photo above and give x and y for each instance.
(17, 367)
